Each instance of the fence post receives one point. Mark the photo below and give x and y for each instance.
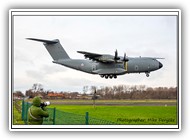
(86, 118)
(26, 112)
(23, 111)
(54, 115)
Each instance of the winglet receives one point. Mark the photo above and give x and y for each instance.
(42, 40)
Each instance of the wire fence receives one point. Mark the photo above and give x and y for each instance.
(59, 117)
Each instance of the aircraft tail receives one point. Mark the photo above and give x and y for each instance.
(54, 48)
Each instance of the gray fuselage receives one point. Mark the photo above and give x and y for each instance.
(134, 65)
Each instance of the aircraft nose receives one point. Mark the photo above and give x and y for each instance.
(160, 65)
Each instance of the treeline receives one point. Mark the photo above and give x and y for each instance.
(106, 93)
(137, 92)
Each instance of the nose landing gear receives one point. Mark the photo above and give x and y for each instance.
(147, 74)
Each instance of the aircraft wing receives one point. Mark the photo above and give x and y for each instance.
(90, 55)
(98, 57)
(154, 58)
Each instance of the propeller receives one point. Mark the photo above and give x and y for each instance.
(116, 56)
(125, 58)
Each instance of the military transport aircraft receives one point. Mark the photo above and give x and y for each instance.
(105, 65)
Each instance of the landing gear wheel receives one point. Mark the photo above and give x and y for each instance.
(147, 74)
(106, 76)
(102, 76)
(115, 76)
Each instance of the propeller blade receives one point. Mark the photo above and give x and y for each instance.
(116, 55)
(125, 58)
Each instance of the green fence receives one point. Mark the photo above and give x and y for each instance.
(59, 117)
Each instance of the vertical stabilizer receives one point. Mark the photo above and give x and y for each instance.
(54, 48)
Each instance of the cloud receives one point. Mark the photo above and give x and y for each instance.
(153, 36)
(35, 74)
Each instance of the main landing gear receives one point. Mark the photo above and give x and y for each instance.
(108, 76)
(115, 76)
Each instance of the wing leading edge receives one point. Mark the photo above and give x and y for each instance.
(98, 57)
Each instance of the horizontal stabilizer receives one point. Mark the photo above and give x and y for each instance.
(45, 41)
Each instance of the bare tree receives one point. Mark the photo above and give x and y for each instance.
(85, 89)
(37, 87)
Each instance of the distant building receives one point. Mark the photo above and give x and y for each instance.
(53, 95)
(18, 95)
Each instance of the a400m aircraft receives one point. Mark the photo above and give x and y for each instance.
(105, 65)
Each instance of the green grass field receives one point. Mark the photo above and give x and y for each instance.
(126, 114)
(17, 115)
(116, 102)
(130, 112)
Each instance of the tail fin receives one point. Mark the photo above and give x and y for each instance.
(54, 48)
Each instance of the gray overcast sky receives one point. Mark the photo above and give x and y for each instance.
(151, 36)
